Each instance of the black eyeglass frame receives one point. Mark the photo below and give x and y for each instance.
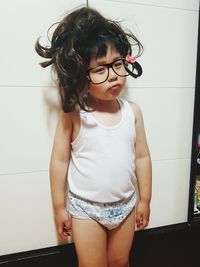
(135, 72)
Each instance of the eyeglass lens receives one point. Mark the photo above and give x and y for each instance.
(100, 73)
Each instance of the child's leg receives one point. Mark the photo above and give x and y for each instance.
(90, 240)
(120, 241)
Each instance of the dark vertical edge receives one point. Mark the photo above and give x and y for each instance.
(196, 129)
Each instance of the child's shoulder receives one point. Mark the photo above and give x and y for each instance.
(139, 122)
(136, 109)
(67, 118)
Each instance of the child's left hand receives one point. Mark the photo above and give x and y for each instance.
(142, 214)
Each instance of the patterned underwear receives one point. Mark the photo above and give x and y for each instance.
(109, 214)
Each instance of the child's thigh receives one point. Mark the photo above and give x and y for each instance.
(120, 241)
(90, 240)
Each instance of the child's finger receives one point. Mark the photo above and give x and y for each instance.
(139, 221)
(60, 232)
(66, 230)
(138, 217)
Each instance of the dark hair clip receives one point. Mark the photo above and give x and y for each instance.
(137, 69)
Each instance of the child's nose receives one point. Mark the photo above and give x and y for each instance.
(112, 75)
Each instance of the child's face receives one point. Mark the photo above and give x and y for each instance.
(114, 84)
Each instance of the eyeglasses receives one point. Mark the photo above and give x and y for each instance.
(100, 73)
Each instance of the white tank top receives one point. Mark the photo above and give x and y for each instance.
(102, 165)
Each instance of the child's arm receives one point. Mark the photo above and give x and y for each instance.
(58, 172)
(143, 171)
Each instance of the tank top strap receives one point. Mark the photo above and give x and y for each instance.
(126, 109)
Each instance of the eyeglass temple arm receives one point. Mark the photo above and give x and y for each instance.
(137, 67)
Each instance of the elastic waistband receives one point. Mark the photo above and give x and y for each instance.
(104, 203)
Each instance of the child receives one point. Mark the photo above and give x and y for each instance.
(100, 143)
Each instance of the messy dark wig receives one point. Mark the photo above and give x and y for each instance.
(80, 36)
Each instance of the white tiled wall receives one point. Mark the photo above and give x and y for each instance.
(26, 214)
(22, 22)
(29, 107)
(28, 114)
(178, 4)
(165, 92)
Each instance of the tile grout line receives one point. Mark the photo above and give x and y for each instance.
(17, 173)
(157, 6)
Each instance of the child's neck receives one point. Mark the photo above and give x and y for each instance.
(103, 105)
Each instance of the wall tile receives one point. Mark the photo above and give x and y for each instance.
(168, 117)
(22, 23)
(27, 221)
(28, 118)
(170, 192)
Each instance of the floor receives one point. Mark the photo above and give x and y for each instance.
(168, 249)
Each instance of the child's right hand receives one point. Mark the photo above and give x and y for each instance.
(63, 223)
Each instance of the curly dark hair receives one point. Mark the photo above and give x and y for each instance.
(78, 37)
